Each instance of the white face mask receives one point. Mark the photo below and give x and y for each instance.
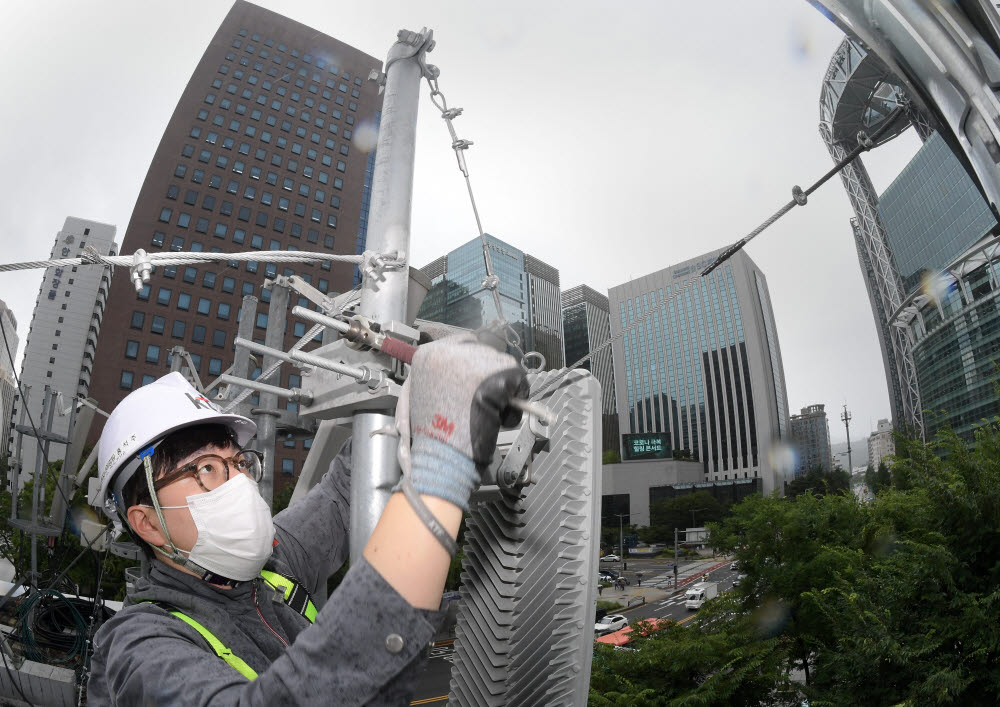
(235, 531)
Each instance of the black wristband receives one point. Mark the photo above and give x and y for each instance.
(425, 515)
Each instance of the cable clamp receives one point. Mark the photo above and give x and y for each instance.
(491, 282)
(140, 269)
(799, 196)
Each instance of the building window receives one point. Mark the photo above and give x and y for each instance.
(288, 466)
(177, 330)
(158, 325)
(138, 319)
(132, 349)
(222, 310)
(198, 334)
(152, 354)
(126, 380)
(214, 366)
(184, 301)
(219, 338)
(165, 215)
(204, 306)
(163, 296)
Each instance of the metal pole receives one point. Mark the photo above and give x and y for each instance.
(846, 417)
(675, 558)
(375, 452)
(248, 315)
(15, 469)
(621, 537)
(266, 415)
(383, 298)
(37, 480)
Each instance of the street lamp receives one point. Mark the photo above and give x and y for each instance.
(621, 532)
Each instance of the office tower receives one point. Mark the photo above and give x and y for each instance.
(702, 367)
(927, 248)
(528, 287)
(810, 436)
(587, 327)
(881, 443)
(8, 380)
(60, 350)
(259, 154)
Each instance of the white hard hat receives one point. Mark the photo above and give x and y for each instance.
(145, 417)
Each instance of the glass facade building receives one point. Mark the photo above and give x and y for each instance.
(529, 295)
(932, 213)
(943, 244)
(586, 318)
(259, 154)
(700, 361)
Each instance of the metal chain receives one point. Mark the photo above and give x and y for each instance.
(491, 282)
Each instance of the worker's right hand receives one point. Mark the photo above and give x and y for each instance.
(458, 396)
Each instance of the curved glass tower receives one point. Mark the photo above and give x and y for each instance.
(929, 255)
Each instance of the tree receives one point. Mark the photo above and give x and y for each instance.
(819, 482)
(730, 664)
(611, 456)
(893, 602)
(676, 513)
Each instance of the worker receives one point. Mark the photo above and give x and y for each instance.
(224, 614)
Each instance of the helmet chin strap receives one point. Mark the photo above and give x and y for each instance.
(175, 554)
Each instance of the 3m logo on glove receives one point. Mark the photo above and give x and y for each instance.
(442, 424)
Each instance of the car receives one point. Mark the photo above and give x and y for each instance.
(738, 578)
(734, 566)
(609, 575)
(610, 624)
(611, 558)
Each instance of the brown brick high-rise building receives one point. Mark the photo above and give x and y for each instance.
(258, 155)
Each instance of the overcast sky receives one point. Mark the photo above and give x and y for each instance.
(611, 140)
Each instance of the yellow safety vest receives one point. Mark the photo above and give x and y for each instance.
(295, 596)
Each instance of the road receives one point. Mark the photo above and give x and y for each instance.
(661, 602)
(672, 606)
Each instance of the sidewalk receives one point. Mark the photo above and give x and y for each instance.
(661, 586)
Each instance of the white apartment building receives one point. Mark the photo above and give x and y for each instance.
(62, 340)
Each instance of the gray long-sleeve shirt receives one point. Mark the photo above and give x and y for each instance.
(364, 648)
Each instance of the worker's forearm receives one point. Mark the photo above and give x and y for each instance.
(407, 555)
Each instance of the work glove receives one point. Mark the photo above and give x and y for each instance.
(453, 404)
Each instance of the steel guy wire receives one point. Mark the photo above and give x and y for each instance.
(91, 257)
(799, 198)
(492, 282)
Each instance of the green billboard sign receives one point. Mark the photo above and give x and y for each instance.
(648, 445)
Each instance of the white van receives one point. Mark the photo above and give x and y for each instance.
(699, 593)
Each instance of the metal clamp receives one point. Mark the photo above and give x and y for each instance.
(140, 269)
